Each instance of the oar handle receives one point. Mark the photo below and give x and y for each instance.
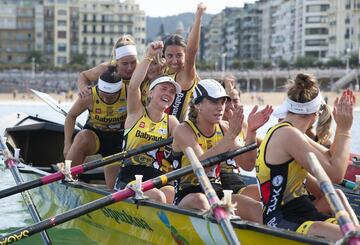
(342, 216)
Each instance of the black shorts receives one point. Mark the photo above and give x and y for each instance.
(299, 211)
(179, 195)
(232, 181)
(127, 174)
(109, 142)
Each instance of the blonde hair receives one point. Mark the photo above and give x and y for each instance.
(323, 127)
(303, 89)
(122, 41)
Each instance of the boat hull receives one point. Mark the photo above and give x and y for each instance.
(146, 222)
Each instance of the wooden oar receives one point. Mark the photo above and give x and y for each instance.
(11, 164)
(342, 216)
(53, 104)
(83, 168)
(221, 216)
(116, 197)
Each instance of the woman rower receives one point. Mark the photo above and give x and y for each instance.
(207, 134)
(282, 165)
(103, 131)
(180, 64)
(147, 124)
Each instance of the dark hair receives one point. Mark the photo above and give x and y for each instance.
(193, 112)
(110, 75)
(174, 39)
(304, 88)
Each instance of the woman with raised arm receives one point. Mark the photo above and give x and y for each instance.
(208, 135)
(282, 165)
(147, 124)
(103, 131)
(123, 57)
(180, 64)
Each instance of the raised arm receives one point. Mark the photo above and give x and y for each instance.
(87, 77)
(80, 105)
(192, 47)
(134, 104)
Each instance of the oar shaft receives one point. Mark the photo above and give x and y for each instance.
(11, 164)
(115, 197)
(83, 168)
(221, 216)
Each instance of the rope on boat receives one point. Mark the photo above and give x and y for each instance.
(346, 239)
(64, 168)
(227, 206)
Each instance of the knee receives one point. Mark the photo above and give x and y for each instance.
(157, 196)
(198, 201)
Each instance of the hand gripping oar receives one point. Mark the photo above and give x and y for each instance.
(83, 168)
(53, 104)
(347, 227)
(11, 164)
(116, 197)
(221, 216)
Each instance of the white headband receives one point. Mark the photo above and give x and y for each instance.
(109, 87)
(304, 108)
(125, 51)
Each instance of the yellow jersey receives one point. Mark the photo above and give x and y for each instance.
(107, 117)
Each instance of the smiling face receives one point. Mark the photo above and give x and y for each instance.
(174, 57)
(211, 110)
(126, 66)
(163, 94)
(154, 70)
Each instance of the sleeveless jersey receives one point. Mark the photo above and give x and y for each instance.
(144, 88)
(145, 131)
(107, 117)
(279, 184)
(180, 106)
(180, 160)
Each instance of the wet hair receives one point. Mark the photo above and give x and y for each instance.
(110, 75)
(193, 112)
(303, 89)
(122, 41)
(174, 39)
(323, 126)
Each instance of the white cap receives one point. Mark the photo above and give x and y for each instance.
(211, 89)
(166, 79)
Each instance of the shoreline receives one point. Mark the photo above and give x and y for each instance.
(247, 99)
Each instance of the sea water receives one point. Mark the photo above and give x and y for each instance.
(14, 213)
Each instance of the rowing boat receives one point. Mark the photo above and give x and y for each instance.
(131, 221)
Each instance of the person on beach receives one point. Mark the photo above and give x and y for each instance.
(208, 135)
(282, 165)
(180, 64)
(103, 131)
(123, 57)
(148, 124)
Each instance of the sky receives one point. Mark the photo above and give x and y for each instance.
(162, 8)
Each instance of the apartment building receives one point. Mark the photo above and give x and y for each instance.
(344, 27)
(61, 29)
(214, 40)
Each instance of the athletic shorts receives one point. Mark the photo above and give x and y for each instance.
(127, 174)
(179, 195)
(299, 214)
(231, 181)
(107, 143)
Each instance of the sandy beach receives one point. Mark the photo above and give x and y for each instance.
(274, 98)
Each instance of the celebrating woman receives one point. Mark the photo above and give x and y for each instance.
(148, 124)
(282, 165)
(207, 134)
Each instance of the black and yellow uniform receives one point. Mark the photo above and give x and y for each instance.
(144, 88)
(286, 204)
(150, 164)
(189, 183)
(230, 173)
(180, 106)
(107, 122)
